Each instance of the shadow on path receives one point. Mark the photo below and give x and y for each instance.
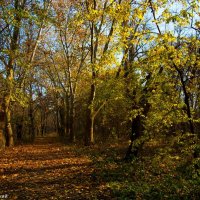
(47, 171)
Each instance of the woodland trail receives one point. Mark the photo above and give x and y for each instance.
(48, 170)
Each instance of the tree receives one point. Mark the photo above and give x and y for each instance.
(16, 41)
(9, 62)
(99, 15)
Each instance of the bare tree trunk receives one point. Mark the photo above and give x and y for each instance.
(187, 102)
(2, 137)
(61, 121)
(90, 119)
(89, 137)
(8, 126)
(31, 115)
(71, 119)
(66, 114)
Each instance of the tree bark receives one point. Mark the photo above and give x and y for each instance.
(31, 115)
(186, 99)
(8, 126)
(187, 103)
(71, 119)
(10, 75)
(89, 139)
(89, 135)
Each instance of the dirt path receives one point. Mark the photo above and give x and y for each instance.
(47, 171)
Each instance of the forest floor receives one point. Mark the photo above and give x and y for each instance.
(48, 170)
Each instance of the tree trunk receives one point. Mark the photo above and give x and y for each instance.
(137, 123)
(89, 135)
(7, 104)
(10, 75)
(136, 131)
(8, 126)
(71, 119)
(186, 99)
(67, 115)
(89, 139)
(2, 136)
(187, 103)
(61, 121)
(31, 122)
(57, 128)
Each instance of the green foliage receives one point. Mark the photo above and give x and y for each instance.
(122, 191)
